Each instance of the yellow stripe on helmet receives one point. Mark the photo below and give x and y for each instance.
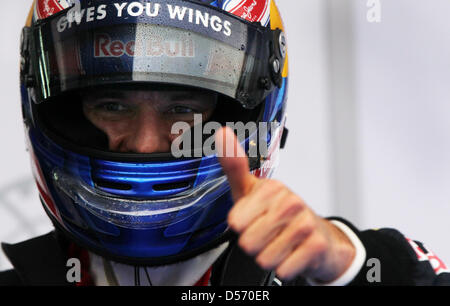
(30, 15)
(277, 23)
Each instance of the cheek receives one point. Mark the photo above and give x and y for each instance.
(112, 129)
(207, 115)
(168, 127)
(115, 130)
(168, 124)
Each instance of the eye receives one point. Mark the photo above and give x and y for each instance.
(181, 110)
(112, 107)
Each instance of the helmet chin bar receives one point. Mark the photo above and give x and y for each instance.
(148, 262)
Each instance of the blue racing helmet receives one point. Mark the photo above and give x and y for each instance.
(153, 208)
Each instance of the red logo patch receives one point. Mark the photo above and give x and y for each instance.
(47, 8)
(251, 10)
(437, 264)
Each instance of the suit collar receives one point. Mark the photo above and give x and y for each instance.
(38, 261)
(41, 262)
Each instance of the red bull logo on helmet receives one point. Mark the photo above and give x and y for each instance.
(105, 46)
(251, 10)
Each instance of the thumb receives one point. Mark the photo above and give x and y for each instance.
(234, 163)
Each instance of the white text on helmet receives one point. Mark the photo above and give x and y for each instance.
(137, 9)
(90, 14)
(199, 17)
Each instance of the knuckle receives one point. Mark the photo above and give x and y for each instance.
(274, 184)
(283, 274)
(235, 220)
(232, 222)
(236, 226)
(295, 201)
(269, 187)
(310, 223)
(302, 230)
(247, 245)
(264, 263)
(289, 207)
(320, 245)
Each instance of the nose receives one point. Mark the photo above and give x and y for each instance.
(147, 134)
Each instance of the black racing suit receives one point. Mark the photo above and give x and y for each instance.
(41, 261)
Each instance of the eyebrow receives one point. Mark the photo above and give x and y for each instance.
(180, 96)
(110, 94)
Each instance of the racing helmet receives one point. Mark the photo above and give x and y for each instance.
(147, 209)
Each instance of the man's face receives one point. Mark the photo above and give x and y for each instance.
(140, 121)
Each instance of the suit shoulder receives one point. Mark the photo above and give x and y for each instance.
(10, 278)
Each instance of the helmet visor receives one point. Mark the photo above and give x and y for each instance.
(189, 45)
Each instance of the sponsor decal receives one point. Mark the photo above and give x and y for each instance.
(251, 10)
(47, 8)
(219, 63)
(199, 18)
(125, 10)
(427, 255)
(76, 17)
(105, 47)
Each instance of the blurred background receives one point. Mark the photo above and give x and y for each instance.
(368, 114)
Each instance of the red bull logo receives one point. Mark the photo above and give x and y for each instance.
(251, 10)
(104, 46)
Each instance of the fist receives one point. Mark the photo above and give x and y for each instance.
(276, 226)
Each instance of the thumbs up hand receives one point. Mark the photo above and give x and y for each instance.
(276, 226)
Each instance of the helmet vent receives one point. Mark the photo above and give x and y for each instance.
(171, 186)
(112, 185)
